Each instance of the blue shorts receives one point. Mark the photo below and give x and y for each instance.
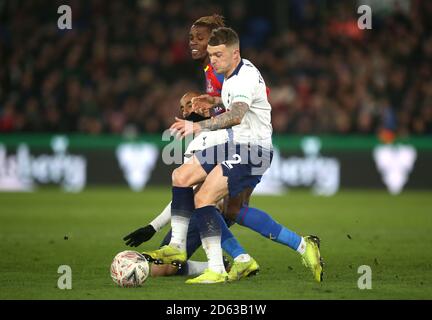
(243, 164)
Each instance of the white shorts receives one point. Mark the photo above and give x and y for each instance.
(205, 140)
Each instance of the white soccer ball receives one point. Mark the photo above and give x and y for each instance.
(129, 269)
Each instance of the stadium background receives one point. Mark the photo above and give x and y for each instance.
(83, 110)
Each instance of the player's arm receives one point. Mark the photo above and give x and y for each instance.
(134, 239)
(205, 101)
(225, 120)
(207, 105)
(217, 109)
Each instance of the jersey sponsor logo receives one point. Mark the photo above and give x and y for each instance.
(241, 96)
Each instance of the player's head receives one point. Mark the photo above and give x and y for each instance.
(186, 107)
(200, 33)
(224, 50)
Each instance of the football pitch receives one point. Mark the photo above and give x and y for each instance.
(391, 234)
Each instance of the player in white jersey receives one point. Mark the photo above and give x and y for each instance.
(227, 168)
(246, 85)
(229, 244)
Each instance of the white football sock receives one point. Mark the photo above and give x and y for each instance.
(179, 229)
(242, 258)
(302, 246)
(196, 267)
(213, 250)
(162, 219)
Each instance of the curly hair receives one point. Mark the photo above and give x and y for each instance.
(212, 22)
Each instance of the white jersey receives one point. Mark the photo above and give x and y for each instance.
(246, 85)
(204, 140)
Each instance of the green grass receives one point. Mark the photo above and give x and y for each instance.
(390, 234)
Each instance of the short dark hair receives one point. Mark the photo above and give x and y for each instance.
(226, 36)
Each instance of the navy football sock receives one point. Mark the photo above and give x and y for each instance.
(182, 207)
(210, 228)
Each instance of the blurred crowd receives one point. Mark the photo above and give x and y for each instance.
(125, 64)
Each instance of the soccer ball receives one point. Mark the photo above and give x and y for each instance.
(129, 269)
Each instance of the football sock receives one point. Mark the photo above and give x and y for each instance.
(193, 242)
(162, 219)
(302, 246)
(242, 258)
(182, 207)
(193, 268)
(264, 224)
(209, 225)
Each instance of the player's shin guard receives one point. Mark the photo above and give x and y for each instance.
(182, 207)
(264, 224)
(209, 225)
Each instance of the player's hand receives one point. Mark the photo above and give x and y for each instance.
(139, 236)
(182, 128)
(203, 103)
(204, 112)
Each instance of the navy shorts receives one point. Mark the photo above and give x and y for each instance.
(243, 164)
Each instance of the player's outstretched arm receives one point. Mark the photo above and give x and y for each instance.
(139, 236)
(144, 234)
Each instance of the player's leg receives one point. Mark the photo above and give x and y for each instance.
(162, 219)
(209, 223)
(183, 180)
(261, 222)
(190, 267)
(212, 226)
(182, 206)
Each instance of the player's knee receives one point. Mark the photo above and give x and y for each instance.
(230, 215)
(233, 209)
(203, 199)
(163, 270)
(179, 179)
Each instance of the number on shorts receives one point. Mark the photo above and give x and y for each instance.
(229, 163)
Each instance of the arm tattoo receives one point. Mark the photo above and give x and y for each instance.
(227, 119)
(217, 109)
